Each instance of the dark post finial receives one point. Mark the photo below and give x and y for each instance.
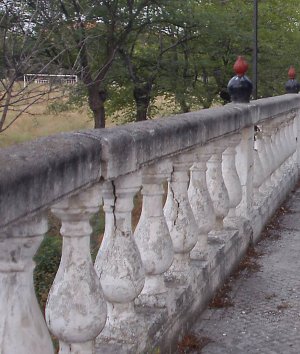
(240, 87)
(292, 85)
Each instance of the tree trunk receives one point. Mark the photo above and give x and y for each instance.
(142, 97)
(184, 106)
(6, 106)
(97, 98)
(11, 78)
(99, 117)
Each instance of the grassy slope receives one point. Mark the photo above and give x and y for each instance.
(44, 123)
(41, 120)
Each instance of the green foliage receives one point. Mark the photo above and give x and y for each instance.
(76, 98)
(48, 256)
(137, 51)
(47, 262)
(59, 106)
(97, 222)
(78, 95)
(120, 103)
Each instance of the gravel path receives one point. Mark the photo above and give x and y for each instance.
(264, 316)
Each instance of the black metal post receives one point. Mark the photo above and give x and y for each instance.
(255, 31)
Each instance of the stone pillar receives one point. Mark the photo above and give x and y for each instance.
(269, 156)
(76, 310)
(293, 134)
(282, 144)
(215, 182)
(231, 178)
(22, 326)
(244, 166)
(276, 154)
(179, 216)
(279, 155)
(152, 235)
(292, 140)
(258, 178)
(287, 142)
(118, 263)
(270, 152)
(297, 139)
(201, 203)
(260, 143)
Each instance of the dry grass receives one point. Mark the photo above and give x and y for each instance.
(41, 121)
(28, 127)
(222, 298)
(283, 306)
(192, 343)
(249, 262)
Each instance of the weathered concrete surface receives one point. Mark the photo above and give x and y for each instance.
(185, 301)
(265, 317)
(39, 173)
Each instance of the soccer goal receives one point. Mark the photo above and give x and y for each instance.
(50, 79)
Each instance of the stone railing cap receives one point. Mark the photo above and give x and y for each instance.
(36, 174)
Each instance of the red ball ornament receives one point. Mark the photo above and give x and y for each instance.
(240, 66)
(292, 73)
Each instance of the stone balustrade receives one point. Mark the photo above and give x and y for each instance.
(223, 172)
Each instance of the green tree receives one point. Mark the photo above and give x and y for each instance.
(22, 49)
(90, 33)
(279, 36)
(127, 52)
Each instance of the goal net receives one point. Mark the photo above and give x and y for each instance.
(50, 79)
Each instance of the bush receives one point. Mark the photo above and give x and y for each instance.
(48, 255)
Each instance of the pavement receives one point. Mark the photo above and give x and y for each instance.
(259, 309)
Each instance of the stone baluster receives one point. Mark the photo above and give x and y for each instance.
(179, 216)
(291, 133)
(201, 203)
(278, 151)
(152, 235)
(286, 168)
(215, 182)
(269, 156)
(289, 146)
(118, 263)
(76, 310)
(22, 326)
(289, 158)
(294, 134)
(292, 140)
(231, 178)
(258, 178)
(297, 134)
(280, 173)
(281, 146)
(268, 131)
(244, 162)
(276, 154)
(285, 144)
(260, 143)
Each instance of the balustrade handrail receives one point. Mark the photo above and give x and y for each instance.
(225, 179)
(36, 174)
